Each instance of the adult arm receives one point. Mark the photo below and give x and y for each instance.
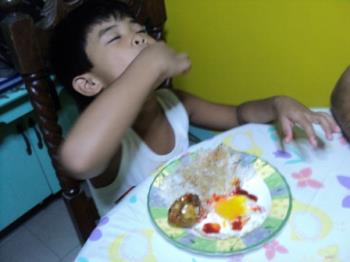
(340, 102)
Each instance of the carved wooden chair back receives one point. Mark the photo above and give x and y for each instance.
(26, 37)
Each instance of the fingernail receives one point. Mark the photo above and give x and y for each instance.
(313, 142)
(329, 136)
(337, 129)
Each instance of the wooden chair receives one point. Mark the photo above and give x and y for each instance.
(26, 38)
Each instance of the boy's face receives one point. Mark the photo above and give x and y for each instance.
(113, 45)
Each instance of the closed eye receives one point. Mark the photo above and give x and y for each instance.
(142, 31)
(113, 39)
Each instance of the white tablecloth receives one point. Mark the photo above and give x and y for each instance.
(318, 228)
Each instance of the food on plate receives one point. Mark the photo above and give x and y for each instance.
(185, 211)
(229, 215)
(215, 195)
(205, 175)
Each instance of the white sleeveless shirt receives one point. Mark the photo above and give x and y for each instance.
(138, 161)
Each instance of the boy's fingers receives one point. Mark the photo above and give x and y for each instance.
(187, 68)
(287, 127)
(184, 63)
(326, 126)
(309, 130)
(333, 124)
(182, 56)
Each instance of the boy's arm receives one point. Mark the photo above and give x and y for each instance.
(95, 138)
(340, 102)
(279, 108)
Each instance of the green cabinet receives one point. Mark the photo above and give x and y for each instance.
(26, 173)
(22, 183)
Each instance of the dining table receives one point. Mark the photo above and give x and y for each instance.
(316, 228)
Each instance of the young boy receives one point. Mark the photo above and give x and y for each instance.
(341, 102)
(131, 127)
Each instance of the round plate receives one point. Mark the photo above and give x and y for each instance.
(277, 196)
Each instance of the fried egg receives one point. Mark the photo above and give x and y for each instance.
(233, 215)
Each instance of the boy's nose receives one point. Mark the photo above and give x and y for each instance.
(139, 40)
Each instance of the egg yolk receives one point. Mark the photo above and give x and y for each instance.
(232, 207)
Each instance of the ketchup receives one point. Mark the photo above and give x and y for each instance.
(239, 191)
(211, 228)
(237, 224)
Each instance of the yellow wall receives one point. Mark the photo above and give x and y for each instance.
(247, 49)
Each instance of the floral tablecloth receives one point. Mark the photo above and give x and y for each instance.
(318, 228)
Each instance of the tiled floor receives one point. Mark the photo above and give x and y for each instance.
(47, 236)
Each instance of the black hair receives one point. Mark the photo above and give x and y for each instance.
(68, 58)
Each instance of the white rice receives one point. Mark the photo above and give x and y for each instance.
(213, 172)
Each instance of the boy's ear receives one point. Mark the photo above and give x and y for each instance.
(87, 84)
